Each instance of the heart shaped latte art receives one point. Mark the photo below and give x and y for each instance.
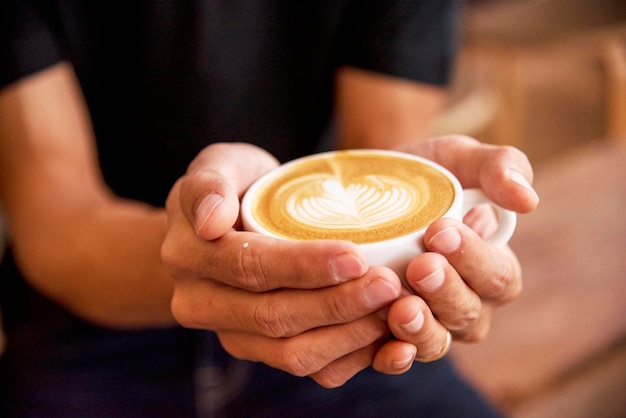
(323, 201)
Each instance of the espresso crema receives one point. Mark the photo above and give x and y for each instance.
(358, 196)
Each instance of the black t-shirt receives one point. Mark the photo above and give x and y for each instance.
(163, 79)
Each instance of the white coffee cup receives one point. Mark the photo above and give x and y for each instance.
(365, 196)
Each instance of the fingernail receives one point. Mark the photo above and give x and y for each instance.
(433, 281)
(416, 324)
(347, 266)
(446, 241)
(519, 178)
(378, 292)
(401, 364)
(206, 208)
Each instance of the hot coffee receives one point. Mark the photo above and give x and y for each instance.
(354, 195)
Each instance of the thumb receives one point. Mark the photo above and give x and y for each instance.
(215, 181)
(503, 172)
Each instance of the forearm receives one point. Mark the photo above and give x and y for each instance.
(73, 240)
(379, 111)
(100, 262)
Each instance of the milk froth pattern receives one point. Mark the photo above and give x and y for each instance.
(324, 201)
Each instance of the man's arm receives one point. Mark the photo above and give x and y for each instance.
(99, 256)
(74, 241)
(378, 111)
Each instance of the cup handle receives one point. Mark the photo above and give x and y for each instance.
(506, 219)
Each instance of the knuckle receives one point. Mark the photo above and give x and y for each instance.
(170, 258)
(360, 335)
(495, 156)
(248, 270)
(329, 379)
(233, 348)
(183, 312)
(296, 361)
(429, 349)
(172, 201)
(271, 321)
(189, 187)
(177, 256)
(509, 152)
(195, 176)
(464, 319)
(477, 334)
(502, 286)
(514, 290)
(339, 309)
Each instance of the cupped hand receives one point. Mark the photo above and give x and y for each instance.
(309, 308)
(462, 277)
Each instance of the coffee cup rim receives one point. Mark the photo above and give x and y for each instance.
(251, 224)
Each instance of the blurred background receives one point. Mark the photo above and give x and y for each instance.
(539, 74)
(549, 76)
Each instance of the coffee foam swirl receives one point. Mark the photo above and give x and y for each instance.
(324, 201)
(353, 196)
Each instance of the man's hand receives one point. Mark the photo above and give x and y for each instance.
(309, 308)
(462, 277)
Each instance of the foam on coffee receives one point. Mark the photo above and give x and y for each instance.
(358, 196)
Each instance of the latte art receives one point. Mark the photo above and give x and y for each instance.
(326, 202)
(352, 195)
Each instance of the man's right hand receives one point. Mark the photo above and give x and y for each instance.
(310, 308)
